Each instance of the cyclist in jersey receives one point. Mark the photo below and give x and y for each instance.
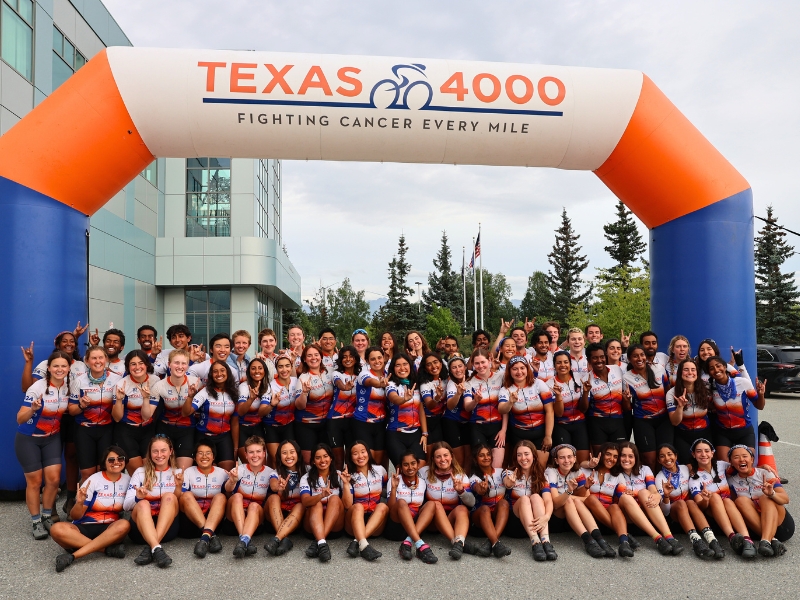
(732, 397)
(688, 403)
(254, 392)
(327, 341)
(541, 359)
(389, 346)
(709, 348)
(366, 516)
(491, 508)
(369, 420)
(173, 393)
(505, 353)
(238, 359)
(296, 339)
(614, 354)
(202, 503)
(606, 492)
(96, 524)
(762, 500)
(405, 496)
(406, 426)
(449, 497)
(708, 486)
(641, 502)
(529, 403)
(576, 343)
(567, 487)
(37, 443)
(278, 421)
(90, 401)
(248, 486)
(531, 502)
(416, 347)
(570, 401)
(678, 351)
(220, 346)
(455, 422)
(324, 496)
(552, 329)
(283, 505)
(133, 408)
(180, 338)
(153, 498)
(114, 344)
(343, 406)
(432, 383)
(648, 384)
(314, 401)
(609, 399)
(217, 422)
(149, 342)
(360, 341)
(481, 398)
(649, 341)
(672, 482)
(267, 342)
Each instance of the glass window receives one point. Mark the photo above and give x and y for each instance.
(80, 60)
(17, 36)
(208, 312)
(61, 72)
(69, 52)
(764, 356)
(151, 171)
(208, 197)
(58, 41)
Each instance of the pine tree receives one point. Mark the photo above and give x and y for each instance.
(398, 315)
(538, 300)
(444, 285)
(776, 293)
(568, 264)
(625, 242)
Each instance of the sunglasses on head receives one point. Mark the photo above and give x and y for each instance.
(119, 459)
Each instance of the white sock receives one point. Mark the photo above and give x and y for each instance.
(154, 548)
(362, 544)
(535, 539)
(322, 541)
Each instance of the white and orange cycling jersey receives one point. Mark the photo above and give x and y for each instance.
(679, 481)
(579, 364)
(216, 410)
(527, 409)
(558, 480)
(605, 397)
(306, 489)
(607, 488)
(76, 368)
(523, 486)
(571, 394)
(117, 366)
(132, 400)
(752, 486)
(253, 486)
(104, 498)
(639, 482)
(319, 397)
(201, 370)
(204, 486)
(283, 413)
(648, 402)
(174, 397)
(496, 491)
(291, 494)
(544, 369)
(443, 490)
(485, 410)
(164, 484)
(413, 494)
(705, 480)
(46, 421)
(251, 417)
(367, 489)
(99, 393)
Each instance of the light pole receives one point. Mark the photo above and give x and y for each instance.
(419, 296)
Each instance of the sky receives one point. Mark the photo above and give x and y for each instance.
(733, 68)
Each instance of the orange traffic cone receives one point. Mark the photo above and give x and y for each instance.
(765, 455)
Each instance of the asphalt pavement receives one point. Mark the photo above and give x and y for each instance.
(27, 567)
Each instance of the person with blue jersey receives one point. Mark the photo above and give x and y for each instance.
(340, 415)
(153, 498)
(254, 391)
(432, 383)
(203, 502)
(762, 500)
(277, 416)
(323, 494)
(530, 497)
(283, 505)
(367, 514)
(37, 443)
(491, 510)
(96, 524)
(405, 497)
(455, 423)
(134, 407)
(369, 420)
(90, 401)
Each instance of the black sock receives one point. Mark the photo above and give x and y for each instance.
(586, 537)
(596, 534)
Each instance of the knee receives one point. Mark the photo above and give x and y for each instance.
(336, 502)
(52, 479)
(381, 509)
(121, 527)
(140, 508)
(357, 508)
(255, 508)
(483, 510)
(169, 499)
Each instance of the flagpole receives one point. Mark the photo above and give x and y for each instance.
(474, 285)
(464, 283)
(481, 257)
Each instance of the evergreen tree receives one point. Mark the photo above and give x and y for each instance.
(342, 309)
(538, 300)
(777, 296)
(622, 302)
(398, 315)
(444, 284)
(625, 242)
(568, 264)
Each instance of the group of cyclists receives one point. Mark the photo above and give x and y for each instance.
(523, 437)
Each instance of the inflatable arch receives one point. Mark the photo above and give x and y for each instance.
(82, 144)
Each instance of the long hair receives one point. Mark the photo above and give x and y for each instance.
(283, 470)
(230, 387)
(313, 472)
(353, 353)
(304, 354)
(57, 346)
(508, 381)
(51, 358)
(352, 467)
(149, 465)
(702, 396)
(696, 467)
(703, 364)
(605, 447)
(637, 461)
(412, 374)
(455, 468)
(423, 376)
(263, 385)
(116, 450)
(395, 348)
(425, 348)
(141, 355)
(537, 470)
(467, 373)
(678, 338)
(476, 449)
(566, 353)
(651, 375)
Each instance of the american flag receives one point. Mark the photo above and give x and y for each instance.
(472, 262)
(477, 247)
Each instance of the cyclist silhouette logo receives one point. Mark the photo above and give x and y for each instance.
(398, 90)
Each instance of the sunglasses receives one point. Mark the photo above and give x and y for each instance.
(361, 331)
(111, 460)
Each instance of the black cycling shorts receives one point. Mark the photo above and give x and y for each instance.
(134, 440)
(275, 434)
(182, 438)
(399, 442)
(372, 433)
(223, 443)
(91, 442)
(649, 434)
(731, 437)
(34, 453)
(456, 433)
(606, 429)
(574, 433)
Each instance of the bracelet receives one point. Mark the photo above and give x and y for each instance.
(569, 492)
(425, 433)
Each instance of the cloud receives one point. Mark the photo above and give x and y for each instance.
(731, 67)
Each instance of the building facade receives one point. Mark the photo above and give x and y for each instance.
(196, 241)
